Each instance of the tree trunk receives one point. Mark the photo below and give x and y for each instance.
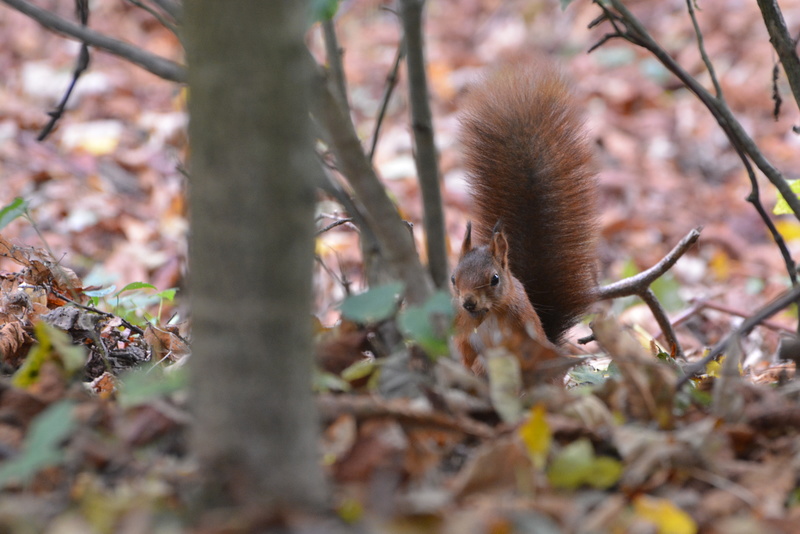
(251, 253)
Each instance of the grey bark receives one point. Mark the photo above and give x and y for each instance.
(251, 253)
(425, 155)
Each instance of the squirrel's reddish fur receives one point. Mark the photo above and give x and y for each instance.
(531, 173)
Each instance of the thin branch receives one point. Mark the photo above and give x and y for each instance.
(755, 199)
(702, 47)
(639, 285)
(640, 282)
(425, 155)
(334, 54)
(396, 243)
(334, 224)
(777, 327)
(81, 64)
(660, 315)
(391, 83)
(782, 42)
(162, 67)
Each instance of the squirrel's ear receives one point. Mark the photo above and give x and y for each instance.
(466, 246)
(499, 248)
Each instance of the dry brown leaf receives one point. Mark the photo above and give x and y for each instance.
(14, 343)
(648, 385)
(499, 465)
(165, 344)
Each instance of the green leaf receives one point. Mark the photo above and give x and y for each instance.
(605, 472)
(167, 294)
(324, 9)
(41, 446)
(140, 386)
(666, 289)
(586, 374)
(373, 306)
(781, 206)
(17, 208)
(135, 285)
(429, 325)
(360, 369)
(572, 465)
(576, 465)
(322, 382)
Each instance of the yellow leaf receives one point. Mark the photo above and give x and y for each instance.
(668, 518)
(713, 369)
(720, 265)
(536, 435)
(781, 206)
(789, 229)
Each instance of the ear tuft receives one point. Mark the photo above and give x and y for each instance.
(466, 246)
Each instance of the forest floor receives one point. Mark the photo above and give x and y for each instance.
(93, 437)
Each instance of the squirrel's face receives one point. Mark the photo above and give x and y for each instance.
(479, 281)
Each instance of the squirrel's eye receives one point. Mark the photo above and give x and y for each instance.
(453, 279)
(495, 279)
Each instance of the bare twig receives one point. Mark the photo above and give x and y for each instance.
(639, 285)
(82, 63)
(705, 304)
(662, 319)
(162, 67)
(640, 282)
(425, 155)
(334, 53)
(702, 48)
(391, 83)
(334, 224)
(782, 42)
(342, 281)
(396, 244)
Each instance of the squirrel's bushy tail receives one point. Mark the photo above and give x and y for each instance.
(530, 166)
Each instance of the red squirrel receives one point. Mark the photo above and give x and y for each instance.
(529, 270)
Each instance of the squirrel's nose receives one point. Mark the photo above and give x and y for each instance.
(469, 304)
